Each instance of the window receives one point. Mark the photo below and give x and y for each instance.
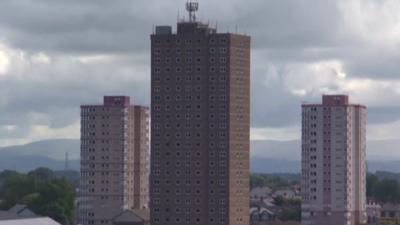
(223, 50)
(157, 51)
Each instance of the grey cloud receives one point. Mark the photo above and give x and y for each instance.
(385, 114)
(284, 32)
(293, 24)
(272, 105)
(375, 64)
(122, 25)
(75, 26)
(57, 91)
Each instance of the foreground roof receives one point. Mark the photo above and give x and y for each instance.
(30, 221)
(133, 215)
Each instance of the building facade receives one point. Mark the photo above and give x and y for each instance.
(333, 162)
(200, 99)
(114, 159)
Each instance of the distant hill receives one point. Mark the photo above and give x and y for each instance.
(287, 150)
(48, 153)
(383, 150)
(266, 156)
(270, 165)
(388, 175)
(54, 149)
(284, 156)
(30, 162)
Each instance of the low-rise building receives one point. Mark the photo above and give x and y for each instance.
(259, 193)
(260, 214)
(133, 217)
(373, 212)
(390, 211)
(22, 211)
(30, 221)
(285, 193)
(280, 223)
(22, 215)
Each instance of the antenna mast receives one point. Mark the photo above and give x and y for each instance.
(66, 161)
(192, 8)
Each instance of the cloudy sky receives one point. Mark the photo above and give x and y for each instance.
(58, 54)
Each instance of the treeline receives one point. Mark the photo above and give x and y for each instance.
(41, 190)
(383, 190)
(274, 181)
(290, 208)
(381, 186)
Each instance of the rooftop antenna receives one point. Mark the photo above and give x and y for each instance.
(192, 8)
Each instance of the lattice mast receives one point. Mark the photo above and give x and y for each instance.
(192, 7)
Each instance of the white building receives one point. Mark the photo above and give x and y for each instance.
(333, 162)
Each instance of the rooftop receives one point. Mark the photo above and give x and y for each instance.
(133, 216)
(334, 100)
(29, 221)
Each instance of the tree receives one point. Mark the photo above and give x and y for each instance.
(290, 214)
(257, 181)
(296, 202)
(27, 199)
(387, 191)
(56, 200)
(273, 181)
(42, 192)
(15, 189)
(279, 201)
(5, 177)
(42, 174)
(372, 181)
